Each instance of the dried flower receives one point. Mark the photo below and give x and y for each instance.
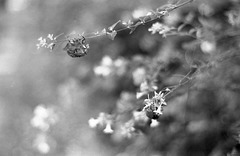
(77, 47)
(154, 106)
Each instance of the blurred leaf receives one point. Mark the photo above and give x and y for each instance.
(114, 25)
(112, 34)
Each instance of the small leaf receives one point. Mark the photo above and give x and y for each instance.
(103, 32)
(132, 28)
(127, 24)
(181, 27)
(142, 20)
(112, 34)
(114, 25)
(152, 15)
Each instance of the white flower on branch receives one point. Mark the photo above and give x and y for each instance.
(161, 29)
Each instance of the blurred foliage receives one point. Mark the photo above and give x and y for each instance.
(46, 98)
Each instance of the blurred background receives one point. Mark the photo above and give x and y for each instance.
(31, 78)
(47, 98)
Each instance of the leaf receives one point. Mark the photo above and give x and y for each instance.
(112, 34)
(103, 32)
(152, 15)
(142, 20)
(181, 27)
(132, 28)
(114, 25)
(127, 24)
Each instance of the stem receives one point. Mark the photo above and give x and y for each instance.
(181, 82)
(122, 29)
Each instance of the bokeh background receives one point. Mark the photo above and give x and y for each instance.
(39, 84)
(31, 77)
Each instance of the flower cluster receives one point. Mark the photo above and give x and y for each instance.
(127, 127)
(49, 42)
(109, 66)
(161, 29)
(154, 106)
(43, 118)
(103, 121)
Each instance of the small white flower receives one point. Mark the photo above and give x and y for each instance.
(159, 110)
(50, 36)
(102, 71)
(154, 123)
(41, 111)
(108, 129)
(208, 47)
(42, 42)
(107, 61)
(40, 143)
(140, 116)
(39, 123)
(140, 12)
(43, 118)
(160, 28)
(138, 75)
(93, 122)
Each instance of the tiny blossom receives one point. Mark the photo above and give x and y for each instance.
(138, 75)
(104, 69)
(39, 123)
(107, 61)
(50, 36)
(119, 62)
(154, 123)
(140, 117)
(43, 118)
(41, 111)
(127, 129)
(145, 88)
(42, 43)
(108, 66)
(128, 24)
(40, 143)
(108, 129)
(103, 121)
(160, 28)
(234, 17)
(93, 122)
(154, 106)
(140, 12)
(48, 42)
(158, 111)
(208, 47)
